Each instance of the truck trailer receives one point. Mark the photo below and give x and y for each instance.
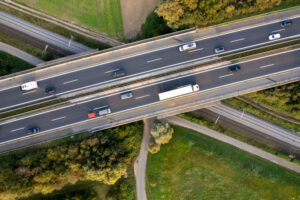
(178, 91)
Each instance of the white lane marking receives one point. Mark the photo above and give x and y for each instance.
(196, 50)
(237, 40)
(264, 66)
(58, 118)
(157, 59)
(111, 71)
(29, 92)
(71, 81)
(278, 30)
(18, 129)
(147, 95)
(225, 75)
(99, 107)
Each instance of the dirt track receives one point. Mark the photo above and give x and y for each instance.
(134, 14)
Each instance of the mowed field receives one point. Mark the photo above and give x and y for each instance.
(100, 15)
(193, 167)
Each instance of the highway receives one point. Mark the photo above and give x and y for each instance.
(146, 95)
(145, 63)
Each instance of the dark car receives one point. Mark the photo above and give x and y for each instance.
(34, 130)
(219, 49)
(286, 23)
(50, 90)
(119, 73)
(234, 68)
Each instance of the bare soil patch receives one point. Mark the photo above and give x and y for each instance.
(134, 14)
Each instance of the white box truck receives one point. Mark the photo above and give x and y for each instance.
(178, 92)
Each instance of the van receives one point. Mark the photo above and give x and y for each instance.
(104, 111)
(29, 86)
(119, 73)
(126, 95)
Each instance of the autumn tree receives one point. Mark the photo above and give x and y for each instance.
(161, 133)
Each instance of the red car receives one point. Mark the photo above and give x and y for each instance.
(92, 115)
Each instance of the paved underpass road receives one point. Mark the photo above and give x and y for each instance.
(145, 63)
(145, 99)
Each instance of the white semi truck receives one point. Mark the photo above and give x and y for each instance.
(178, 92)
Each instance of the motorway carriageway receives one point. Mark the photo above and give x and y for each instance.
(144, 96)
(145, 63)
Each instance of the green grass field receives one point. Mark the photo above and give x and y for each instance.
(193, 166)
(100, 15)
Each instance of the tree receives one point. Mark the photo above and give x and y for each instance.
(161, 133)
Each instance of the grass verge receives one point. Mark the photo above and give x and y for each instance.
(238, 104)
(30, 108)
(100, 15)
(227, 131)
(194, 166)
(10, 64)
(57, 29)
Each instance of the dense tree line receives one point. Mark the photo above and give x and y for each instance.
(285, 98)
(103, 157)
(187, 13)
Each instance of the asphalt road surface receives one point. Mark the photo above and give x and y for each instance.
(147, 95)
(257, 124)
(41, 33)
(145, 63)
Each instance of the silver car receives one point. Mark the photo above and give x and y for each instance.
(188, 46)
(126, 95)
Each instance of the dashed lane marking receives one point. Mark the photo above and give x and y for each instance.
(59, 118)
(71, 81)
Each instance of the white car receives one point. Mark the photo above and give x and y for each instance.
(29, 86)
(188, 46)
(274, 36)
